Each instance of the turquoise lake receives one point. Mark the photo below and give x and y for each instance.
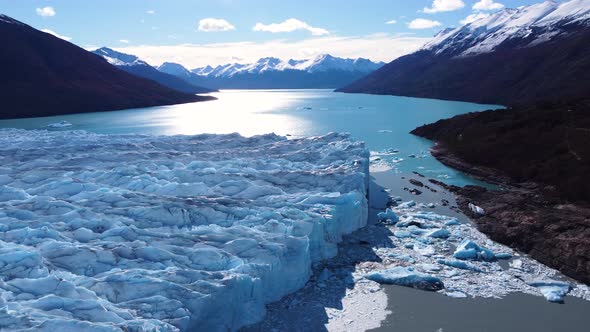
(383, 122)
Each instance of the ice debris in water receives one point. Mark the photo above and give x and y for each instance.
(167, 233)
(403, 276)
(58, 125)
(463, 258)
(554, 291)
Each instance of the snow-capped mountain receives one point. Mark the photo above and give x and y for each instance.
(134, 65)
(175, 69)
(530, 53)
(321, 63)
(324, 71)
(119, 59)
(528, 26)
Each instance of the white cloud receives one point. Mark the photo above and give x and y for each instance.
(487, 5)
(391, 22)
(421, 23)
(215, 25)
(444, 6)
(51, 32)
(377, 47)
(290, 25)
(473, 17)
(45, 11)
(151, 12)
(124, 41)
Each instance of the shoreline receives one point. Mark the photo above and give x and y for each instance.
(342, 299)
(527, 217)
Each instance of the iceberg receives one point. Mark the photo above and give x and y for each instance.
(440, 233)
(403, 276)
(469, 250)
(59, 125)
(459, 265)
(389, 216)
(552, 290)
(167, 233)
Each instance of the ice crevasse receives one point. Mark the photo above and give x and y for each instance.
(167, 233)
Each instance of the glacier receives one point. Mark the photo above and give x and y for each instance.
(167, 233)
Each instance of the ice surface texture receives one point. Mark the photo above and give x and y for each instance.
(167, 233)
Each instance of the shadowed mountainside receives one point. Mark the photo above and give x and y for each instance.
(43, 75)
(510, 75)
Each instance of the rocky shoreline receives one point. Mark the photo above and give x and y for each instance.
(526, 216)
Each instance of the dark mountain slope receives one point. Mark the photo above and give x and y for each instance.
(556, 69)
(513, 56)
(43, 75)
(546, 143)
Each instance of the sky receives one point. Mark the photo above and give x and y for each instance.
(196, 33)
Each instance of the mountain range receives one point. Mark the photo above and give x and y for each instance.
(134, 65)
(514, 56)
(43, 75)
(323, 71)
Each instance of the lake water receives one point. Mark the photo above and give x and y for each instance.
(383, 122)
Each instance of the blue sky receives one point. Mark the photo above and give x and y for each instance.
(224, 30)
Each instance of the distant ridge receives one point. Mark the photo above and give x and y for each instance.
(323, 71)
(43, 75)
(136, 66)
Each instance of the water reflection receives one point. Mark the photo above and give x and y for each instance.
(383, 122)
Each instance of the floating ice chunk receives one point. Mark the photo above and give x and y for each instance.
(554, 291)
(476, 209)
(388, 215)
(456, 294)
(403, 276)
(469, 250)
(439, 233)
(406, 258)
(429, 267)
(459, 265)
(406, 205)
(452, 222)
(503, 255)
(516, 264)
(402, 234)
(61, 124)
(416, 230)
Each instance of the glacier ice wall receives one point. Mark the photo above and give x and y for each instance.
(167, 233)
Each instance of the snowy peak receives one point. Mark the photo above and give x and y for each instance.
(534, 24)
(321, 63)
(119, 59)
(174, 69)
